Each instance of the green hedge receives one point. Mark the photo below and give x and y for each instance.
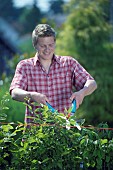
(55, 142)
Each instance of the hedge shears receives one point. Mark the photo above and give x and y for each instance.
(73, 110)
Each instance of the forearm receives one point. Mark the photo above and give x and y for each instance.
(20, 95)
(89, 87)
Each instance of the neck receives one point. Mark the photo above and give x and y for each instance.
(46, 64)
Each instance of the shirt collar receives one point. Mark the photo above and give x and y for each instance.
(55, 58)
(36, 59)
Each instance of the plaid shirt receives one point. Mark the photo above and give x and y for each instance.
(64, 74)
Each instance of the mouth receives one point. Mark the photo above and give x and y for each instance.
(47, 55)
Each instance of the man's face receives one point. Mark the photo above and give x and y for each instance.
(46, 47)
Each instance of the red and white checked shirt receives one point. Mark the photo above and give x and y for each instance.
(65, 72)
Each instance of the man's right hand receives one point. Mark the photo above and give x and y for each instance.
(39, 97)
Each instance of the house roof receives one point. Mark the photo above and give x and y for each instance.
(8, 46)
(8, 36)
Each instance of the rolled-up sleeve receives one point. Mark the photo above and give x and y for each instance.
(80, 76)
(20, 78)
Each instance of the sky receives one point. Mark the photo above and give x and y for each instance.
(42, 4)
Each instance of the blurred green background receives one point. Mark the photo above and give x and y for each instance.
(85, 33)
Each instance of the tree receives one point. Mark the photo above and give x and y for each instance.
(85, 36)
(56, 6)
(30, 18)
(8, 11)
(111, 18)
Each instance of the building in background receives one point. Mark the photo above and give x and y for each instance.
(8, 45)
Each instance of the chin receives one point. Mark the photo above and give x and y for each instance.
(48, 56)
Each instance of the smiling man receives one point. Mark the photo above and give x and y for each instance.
(48, 77)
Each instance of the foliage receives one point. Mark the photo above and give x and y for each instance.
(8, 11)
(12, 111)
(33, 15)
(23, 19)
(86, 37)
(3, 107)
(49, 144)
(56, 6)
(16, 59)
(16, 111)
(26, 46)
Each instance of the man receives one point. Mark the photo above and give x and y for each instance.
(50, 78)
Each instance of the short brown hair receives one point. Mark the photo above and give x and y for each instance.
(42, 30)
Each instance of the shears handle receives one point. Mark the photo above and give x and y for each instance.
(73, 107)
(51, 108)
(72, 111)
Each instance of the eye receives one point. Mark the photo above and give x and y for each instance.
(51, 45)
(42, 46)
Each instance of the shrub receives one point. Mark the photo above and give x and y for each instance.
(55, 142)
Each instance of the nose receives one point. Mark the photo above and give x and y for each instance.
(47, 47)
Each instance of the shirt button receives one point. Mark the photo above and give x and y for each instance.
(49, 83)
